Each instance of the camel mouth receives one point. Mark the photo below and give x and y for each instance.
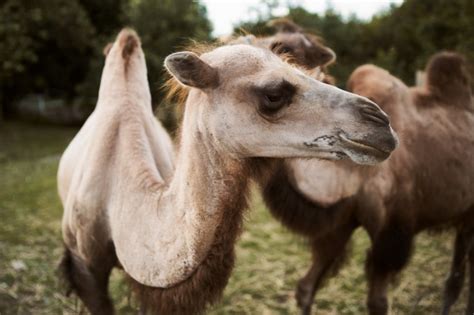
(341, 146)
(324, 146)
(362, 152)
(362, 145)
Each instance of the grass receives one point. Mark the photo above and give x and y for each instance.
(270, 259)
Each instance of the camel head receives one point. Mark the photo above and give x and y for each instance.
(305, 49)
(290, 42)
(250, 103)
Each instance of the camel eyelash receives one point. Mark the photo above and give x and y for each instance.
(273, 97)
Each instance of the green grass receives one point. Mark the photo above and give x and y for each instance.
(269, 259)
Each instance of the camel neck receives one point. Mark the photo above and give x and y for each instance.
(204, 177)
(164, 230)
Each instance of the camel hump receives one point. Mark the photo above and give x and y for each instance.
(128, 41)
(447, 75)
(376, 84)
(124, 72)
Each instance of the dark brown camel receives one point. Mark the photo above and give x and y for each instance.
(446, 82)
(427, 183)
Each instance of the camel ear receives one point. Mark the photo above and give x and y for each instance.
(191, 70)
(328, 57)
(107, 49)
(318, 53)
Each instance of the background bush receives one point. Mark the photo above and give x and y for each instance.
(54, 47)
(401, 39)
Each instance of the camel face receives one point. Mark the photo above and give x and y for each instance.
(255, 105)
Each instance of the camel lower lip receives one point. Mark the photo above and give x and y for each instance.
(360, 146)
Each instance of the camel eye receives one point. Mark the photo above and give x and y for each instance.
(285, 50)
(275, 96)
(273, 102)
(280, 48)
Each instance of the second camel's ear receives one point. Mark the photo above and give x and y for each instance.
(328, 56)
(190, 70)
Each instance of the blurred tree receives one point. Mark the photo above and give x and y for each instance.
(419, 28)
(54, 47)
(401, 39)
(348, 38)
(166, 26)
(107, 17)
(37, 53)
(262, 13)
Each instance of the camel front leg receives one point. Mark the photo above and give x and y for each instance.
(455, 280)
(389, 254)
(328, 251)
(90, 283)
(377, 301)
(470, 303)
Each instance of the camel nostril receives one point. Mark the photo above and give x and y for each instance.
(376, 117)
(390, 143)
(370, 111)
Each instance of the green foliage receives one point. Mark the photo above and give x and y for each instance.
(37, 53)
(54, 47)
(165, 26)
(347, 38)
(419, 28)
(107, 18)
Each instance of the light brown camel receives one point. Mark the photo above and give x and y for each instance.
(428, 182)
(171, 223)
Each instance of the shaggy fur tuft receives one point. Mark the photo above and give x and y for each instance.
(294, 210)
(174, 91)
